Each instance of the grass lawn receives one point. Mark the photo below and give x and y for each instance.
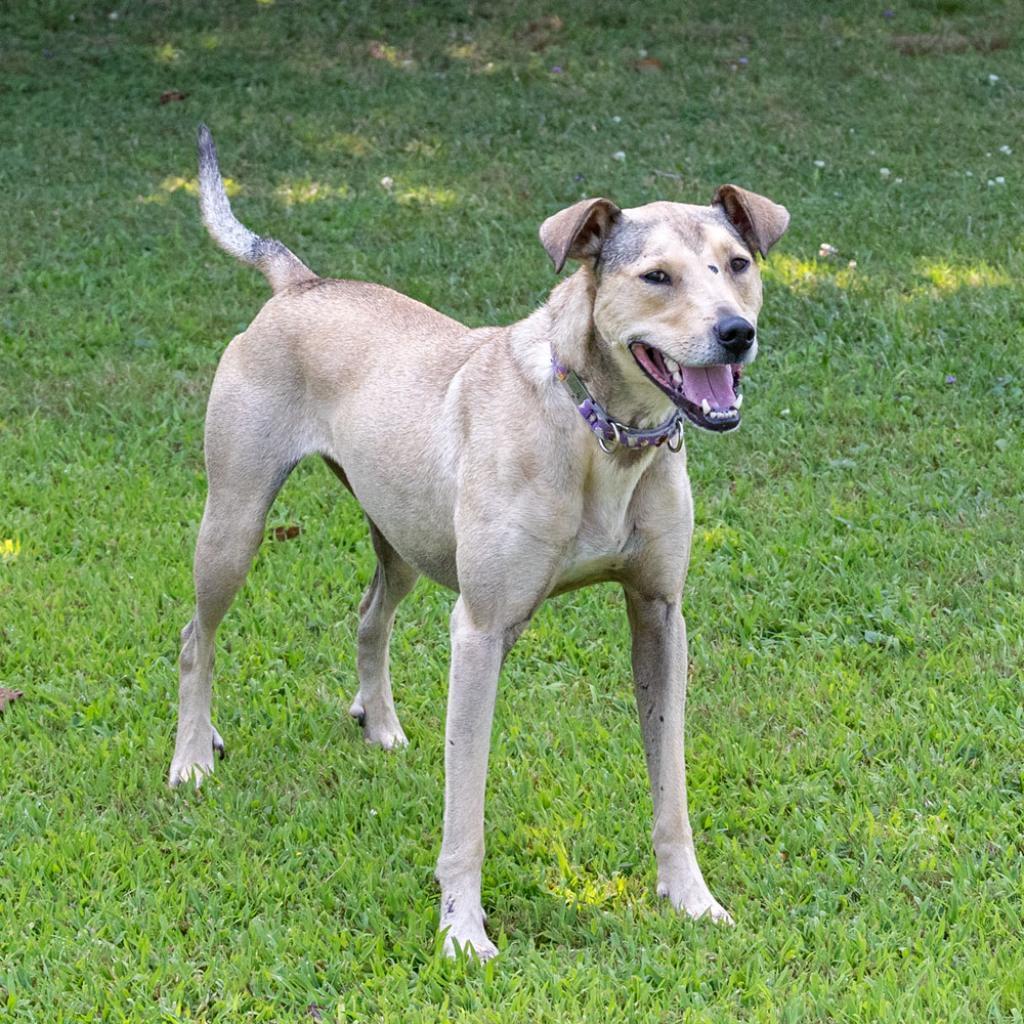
(856, 600)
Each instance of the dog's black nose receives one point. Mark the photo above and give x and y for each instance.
(735, 334)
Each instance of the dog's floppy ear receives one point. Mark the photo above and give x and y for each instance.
(578, 231)
(760, 222)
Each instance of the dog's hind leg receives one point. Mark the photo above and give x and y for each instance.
(374, 706)
(246, 467)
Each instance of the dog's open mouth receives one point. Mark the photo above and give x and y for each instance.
(707, 394)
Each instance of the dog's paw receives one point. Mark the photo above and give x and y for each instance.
(464, 932)
(189, 770)
(194, 765)
(381, 727)
(696, 901)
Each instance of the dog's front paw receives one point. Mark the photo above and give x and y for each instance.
(694, 898)
(193, 762)
(463, 929)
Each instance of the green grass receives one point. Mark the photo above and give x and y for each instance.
(857, 594)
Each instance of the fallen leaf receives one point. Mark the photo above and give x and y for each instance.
(172, 96)
(8, 696)
(539, 34)
(289, 532)
(648, 64)
(924, 43)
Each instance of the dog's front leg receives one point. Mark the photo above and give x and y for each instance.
(659, 680)
(477, 655)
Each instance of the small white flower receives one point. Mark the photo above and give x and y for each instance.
(884, 172)
(785, 412)
(990, 183)
(616, 119)
(852, 264)
(819, 163)
(619, 155)
(825, 250)
(1000, 180)
(897, 181)
(968, 174)
(992, 79)
(1005, 150)
(387, 183)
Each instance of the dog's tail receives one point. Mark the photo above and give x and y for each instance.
(278, 263)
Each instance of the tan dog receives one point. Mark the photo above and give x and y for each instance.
(469, 455)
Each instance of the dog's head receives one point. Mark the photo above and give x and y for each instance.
(677, 291)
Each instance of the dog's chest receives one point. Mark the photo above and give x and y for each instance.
(607, 539)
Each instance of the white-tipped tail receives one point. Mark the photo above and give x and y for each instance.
(279, 264)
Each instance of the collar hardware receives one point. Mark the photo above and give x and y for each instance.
(612, 434)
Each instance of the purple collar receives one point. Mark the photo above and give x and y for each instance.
(610, 433)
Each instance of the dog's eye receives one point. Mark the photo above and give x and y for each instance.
(738, 264)
(656, 277)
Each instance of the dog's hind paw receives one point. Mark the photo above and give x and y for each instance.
(194, 766)
(189, 771)
(380, 728)
(697, 902)
(465, 934)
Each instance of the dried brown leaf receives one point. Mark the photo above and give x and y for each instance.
(922, 44)
(647, 65)
(8, 696)
(539, 33)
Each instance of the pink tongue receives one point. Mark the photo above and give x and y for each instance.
(711, 382)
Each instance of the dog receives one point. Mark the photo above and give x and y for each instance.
(508, 464)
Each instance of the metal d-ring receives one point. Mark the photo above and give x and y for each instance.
(679, 438)
(616, 441)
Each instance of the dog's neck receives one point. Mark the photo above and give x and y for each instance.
(563, 329)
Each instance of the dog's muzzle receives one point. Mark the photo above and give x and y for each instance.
(707, 395)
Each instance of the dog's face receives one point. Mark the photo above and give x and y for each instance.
(677, 292)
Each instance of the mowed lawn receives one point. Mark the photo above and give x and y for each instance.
(856, 600)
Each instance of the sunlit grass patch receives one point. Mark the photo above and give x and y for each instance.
(420, 147)
(303, 192)
(426, 195)
(351, 143)
(167, 53)
(380, 50)
(806, 275)
(579, 887)
(946, 277)
(717, 537)
(176, 183)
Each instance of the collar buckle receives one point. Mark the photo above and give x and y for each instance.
(610, 433)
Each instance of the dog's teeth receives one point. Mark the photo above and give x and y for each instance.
(738, 402)
(705, 407)
(673, 366)
(677, 377)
